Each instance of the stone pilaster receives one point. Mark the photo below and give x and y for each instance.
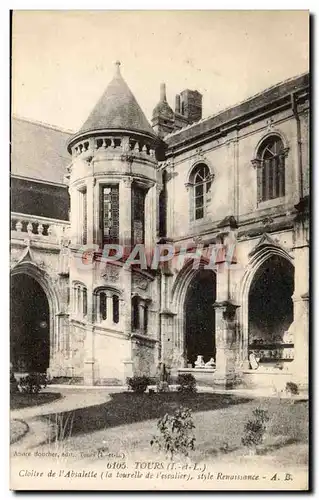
(227, 344)
(152, 216)
(74, 215)
(300, 325)
(89, 208)
(226, 324)
(88, 368)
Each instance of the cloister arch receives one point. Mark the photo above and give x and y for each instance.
(40, 324)
(266, 258)
(193, 296)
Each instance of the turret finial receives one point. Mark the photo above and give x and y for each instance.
(117, 67)
(163, 92)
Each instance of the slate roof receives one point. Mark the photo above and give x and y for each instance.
(38, 151)
(117, 108)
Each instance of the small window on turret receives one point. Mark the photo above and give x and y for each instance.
(110, 214)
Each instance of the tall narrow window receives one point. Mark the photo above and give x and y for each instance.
(145, 319)
(200, 182)
(138, 214)
(103, 306)
(163, 207)
(135, 313)
(83, 215)
(116, 309)
(85, 302)
(271, 174)
(79, 299)
(110, 214)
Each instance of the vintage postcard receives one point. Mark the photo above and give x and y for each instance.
(159, 250)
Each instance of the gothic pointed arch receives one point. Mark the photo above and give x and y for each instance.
(270, 269)
(193, 296)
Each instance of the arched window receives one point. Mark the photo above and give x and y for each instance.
(85, 302)
(200, 184)
(271, 169)
(79, 299)
(107, 306)
(139, 314)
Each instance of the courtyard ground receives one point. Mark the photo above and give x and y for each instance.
(107, 422)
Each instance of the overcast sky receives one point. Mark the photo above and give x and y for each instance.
(63, 60)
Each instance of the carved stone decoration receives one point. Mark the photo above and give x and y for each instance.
(127, 157)
(111, 274)
(228, 308)
(270, 124)
(267, 222)
(197, 240)
(265, 240)
(26, 255)
(64, 259)
(13, 262)
(65, 239)
(140, 282)
(199, 152)
(127, 181)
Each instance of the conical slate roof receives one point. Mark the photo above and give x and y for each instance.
(117, 108)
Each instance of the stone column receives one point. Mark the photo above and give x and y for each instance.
(59, 344)
(156, 214)
(89, 208)
(88, 369)
(74, 215)
(226, 344)
(170, 186)
(232, 168)
(126, 321)
(226, 327)
(125, 207)
(152, 216)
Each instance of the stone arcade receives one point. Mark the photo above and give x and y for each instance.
(184, 181)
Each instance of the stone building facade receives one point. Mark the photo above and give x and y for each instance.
(185, 183)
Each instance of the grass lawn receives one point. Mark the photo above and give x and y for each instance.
(20, 400)
(127, 422)
(18, 428)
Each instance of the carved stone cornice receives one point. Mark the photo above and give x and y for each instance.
(228, 308)
(256, 163)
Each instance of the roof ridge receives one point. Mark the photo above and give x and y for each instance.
(42, 124)
(237, 104)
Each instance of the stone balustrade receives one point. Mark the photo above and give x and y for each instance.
(39, 227)
(111, 143)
